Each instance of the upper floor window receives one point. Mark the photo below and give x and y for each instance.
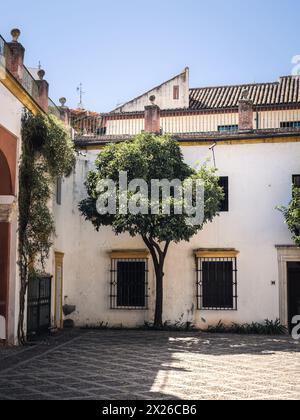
(227, 128)
(290, 124)
(58, 190)
(224, 183)
(101, 131)
(296, 181)
(176, 92)
(129, 283)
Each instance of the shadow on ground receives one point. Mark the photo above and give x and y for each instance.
(128, 365)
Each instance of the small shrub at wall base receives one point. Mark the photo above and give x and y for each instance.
(271, 328)
(255, 328)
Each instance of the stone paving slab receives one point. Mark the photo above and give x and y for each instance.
(145, 365)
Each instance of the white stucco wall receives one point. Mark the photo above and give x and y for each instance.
(10, 118)
(163, 94)
(260, 177)
(10, 111)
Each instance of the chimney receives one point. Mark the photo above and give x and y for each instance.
(43, 86)
(15, 57)
(245, 112)
(152, 117)
(64, 112)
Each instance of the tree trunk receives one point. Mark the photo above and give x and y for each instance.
(158, 322)
(158, 257)
(21, 333)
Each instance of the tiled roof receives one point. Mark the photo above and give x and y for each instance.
(286, 91)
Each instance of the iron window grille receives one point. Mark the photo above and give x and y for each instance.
(217, 284)
(224, 183)
(129, 284)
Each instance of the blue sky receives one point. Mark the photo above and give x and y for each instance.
(120, 49)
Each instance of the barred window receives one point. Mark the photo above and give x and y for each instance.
(217, 283)
(224, 183)
(129, 284)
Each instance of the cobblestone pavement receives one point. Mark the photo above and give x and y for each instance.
(126, 365)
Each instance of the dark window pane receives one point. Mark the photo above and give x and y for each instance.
(227, 128)
(131, 278)
(296, 181)
(290, 124)
(58, 190)
(101, 131)
(224, 183)
(217, 284)
(175, 92)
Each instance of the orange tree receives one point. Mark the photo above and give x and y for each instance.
(150, 157)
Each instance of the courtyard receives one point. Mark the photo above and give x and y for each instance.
(148, 365)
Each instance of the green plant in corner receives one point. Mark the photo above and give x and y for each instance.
(47, 153)
(292, 215)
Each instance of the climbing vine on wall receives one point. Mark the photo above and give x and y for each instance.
(47, 153)
(292, 215)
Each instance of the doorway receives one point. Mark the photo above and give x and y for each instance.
(293, 291)
(39, 306)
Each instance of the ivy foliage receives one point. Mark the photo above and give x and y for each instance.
(292, 215)
(47, 153)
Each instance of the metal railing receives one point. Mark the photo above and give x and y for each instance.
(2, 47)
(2, 58)
(29, 84)
(53, 109)
(25, 78)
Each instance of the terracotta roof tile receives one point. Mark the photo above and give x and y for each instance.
(286, 91)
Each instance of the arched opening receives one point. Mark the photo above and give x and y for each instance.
(5, 178)
(6, 189)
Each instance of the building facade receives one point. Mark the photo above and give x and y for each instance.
(243, 266)
(19, 90)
